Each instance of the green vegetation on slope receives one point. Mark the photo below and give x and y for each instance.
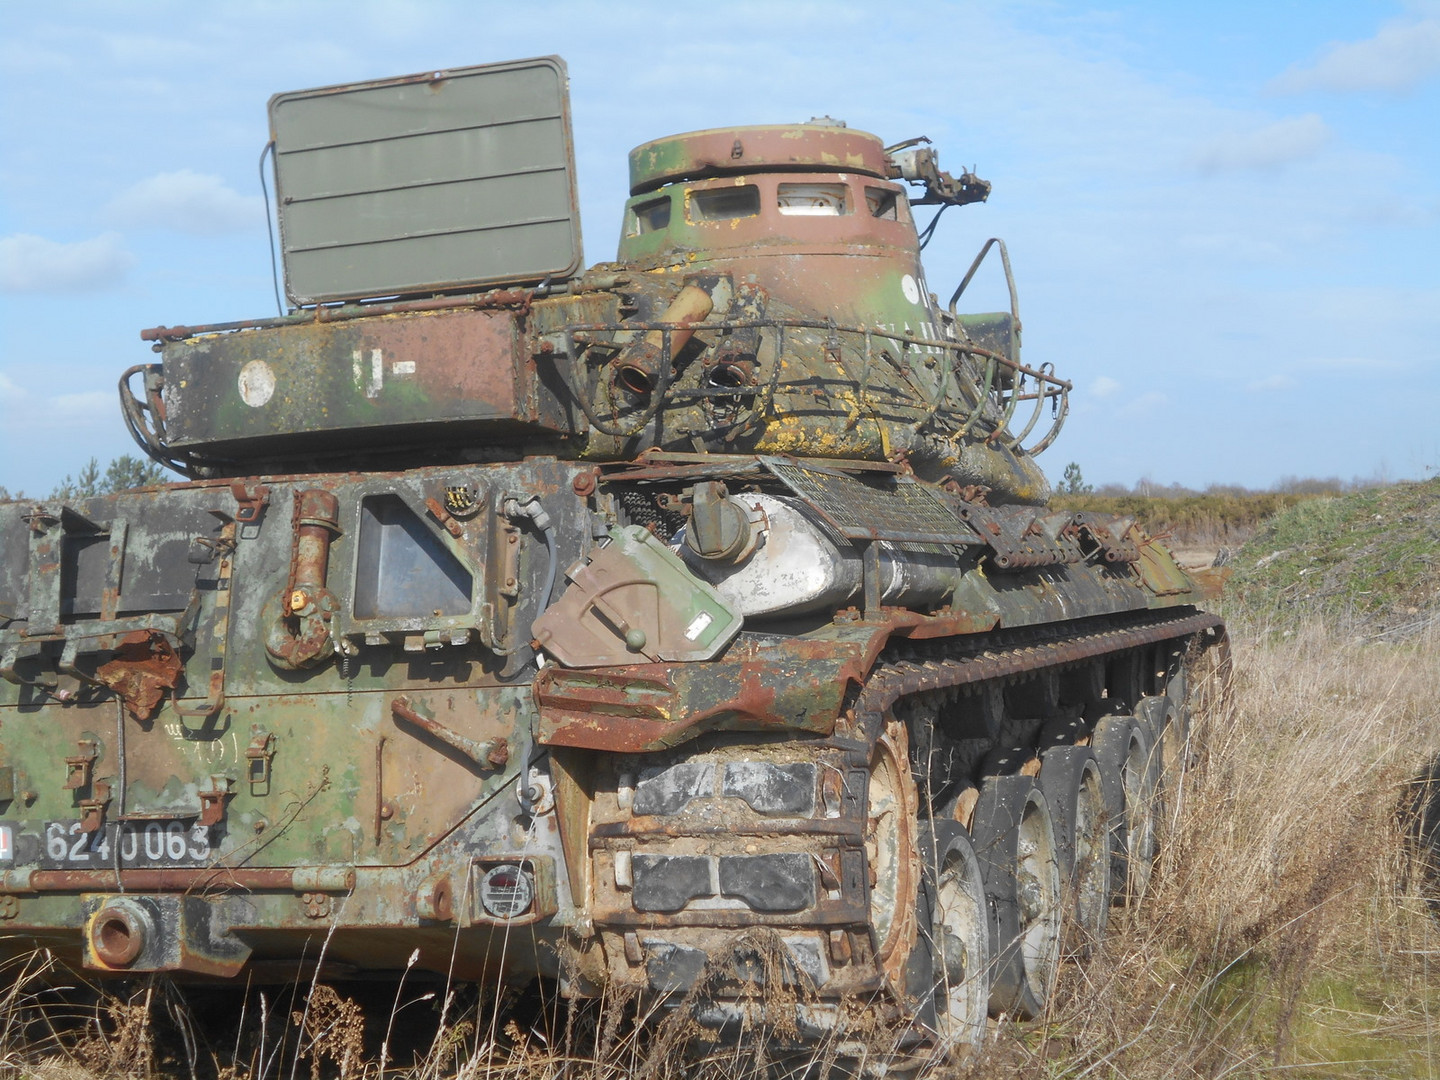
(1369, 555)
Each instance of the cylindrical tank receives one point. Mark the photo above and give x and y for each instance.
(798, 566)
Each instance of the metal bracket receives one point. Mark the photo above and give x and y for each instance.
(251, 502)
(871, 570)
(79, 770)
(259, 754)
(212, 802)
(92, 810)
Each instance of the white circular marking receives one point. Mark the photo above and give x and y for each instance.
(257, 383)
(910, 289)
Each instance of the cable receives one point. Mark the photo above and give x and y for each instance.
(270, 228)
(930, 229)
(549, 590)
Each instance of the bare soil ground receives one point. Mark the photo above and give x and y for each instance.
(1196, 557)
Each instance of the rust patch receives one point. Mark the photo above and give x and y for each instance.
(799, 686)
(144, 668)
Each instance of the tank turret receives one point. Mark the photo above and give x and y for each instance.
(767, 297)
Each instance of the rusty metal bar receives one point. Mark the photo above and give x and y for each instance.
(490, 754)
(1040, 395)
(1013, 399)
(604, 832)
(831, 914)
(1061, 412)
(1009, 277)
(183, 879)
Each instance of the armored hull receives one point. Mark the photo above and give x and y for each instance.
(616, 628)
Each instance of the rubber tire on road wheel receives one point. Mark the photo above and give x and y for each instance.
(1158, 715)
(1127, 776)
(955, 936)
(1070, 778)
(1170, 730)
(1015, 845)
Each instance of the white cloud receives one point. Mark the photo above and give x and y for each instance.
(11, 392)
(91, 403)
(35, 264)
(187, 202)
(1403, 54)
(1291, 139)
(1104, 387)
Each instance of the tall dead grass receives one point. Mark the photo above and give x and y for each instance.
(1284, 936)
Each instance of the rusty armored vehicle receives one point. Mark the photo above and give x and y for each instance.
(694, 618)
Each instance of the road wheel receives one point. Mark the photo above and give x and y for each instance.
(1015, 845)
(955, 932)
(1161, 721)
(1168, 725)
(1127, 777)
(892, 853)
(1070, 779)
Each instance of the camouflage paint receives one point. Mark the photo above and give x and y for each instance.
(315, 692)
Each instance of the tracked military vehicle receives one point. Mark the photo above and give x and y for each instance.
(685, 625)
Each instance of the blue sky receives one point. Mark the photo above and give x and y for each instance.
(1224, 217)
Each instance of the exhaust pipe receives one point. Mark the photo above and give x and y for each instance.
(119, 933)
(637, 368)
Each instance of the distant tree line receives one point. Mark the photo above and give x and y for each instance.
(1146, 488)
(121, 474)
(1073, 483)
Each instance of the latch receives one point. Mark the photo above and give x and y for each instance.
(212, 802)
(92, 810)
(80, 768)
(259, 754)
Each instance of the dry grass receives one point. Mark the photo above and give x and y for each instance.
(1284, 936)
